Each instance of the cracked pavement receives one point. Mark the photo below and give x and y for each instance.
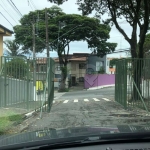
(87, 108)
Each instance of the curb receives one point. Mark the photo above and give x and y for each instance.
(101, 87)
(28, 116)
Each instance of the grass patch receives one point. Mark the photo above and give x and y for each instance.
(6, 122)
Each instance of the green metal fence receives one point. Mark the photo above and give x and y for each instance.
(132, 83)
(26, 83)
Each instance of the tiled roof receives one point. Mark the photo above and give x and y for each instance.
(73, 59)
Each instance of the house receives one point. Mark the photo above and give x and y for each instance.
(97, 64)
(80, 64)
(76, 69)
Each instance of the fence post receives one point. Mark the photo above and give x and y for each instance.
(27, 84)
(125, 83)
(5, 98)
(49, 85)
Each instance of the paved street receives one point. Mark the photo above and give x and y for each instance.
(106, 92)
(84, 108)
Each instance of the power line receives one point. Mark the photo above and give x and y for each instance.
(33, 4)
(6, 18)
(15, 7)
(30, 4)
(8, 13)
(7, 7)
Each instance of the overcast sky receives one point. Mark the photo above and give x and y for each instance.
(68, 7)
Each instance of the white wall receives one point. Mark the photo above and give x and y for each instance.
(107, 65)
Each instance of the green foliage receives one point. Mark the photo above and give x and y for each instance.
(13, 48)
(71, 27)
(23, 32)
(101, 70)
(16, 68)
(113, 62)
(135, 12)
(8, 121)
(147, 44)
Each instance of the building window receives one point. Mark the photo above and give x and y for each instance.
(82, 66)
(58, 68)
(99, 64)
(73, 66)
(57, 75)
(43, 68)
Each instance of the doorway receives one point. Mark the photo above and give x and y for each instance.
(73, 79)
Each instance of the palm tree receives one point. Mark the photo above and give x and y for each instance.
(13, 48)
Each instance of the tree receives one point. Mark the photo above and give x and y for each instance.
(113, 62)
(147, 45)
(23, 32)
(66, 28)
(135, 12)
(13, 48)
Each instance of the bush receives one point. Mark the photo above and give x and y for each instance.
(16, 68)
(101, 70)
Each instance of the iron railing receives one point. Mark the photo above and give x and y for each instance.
(16, 82)
(132, 83)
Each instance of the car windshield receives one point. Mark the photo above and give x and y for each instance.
(70, 68)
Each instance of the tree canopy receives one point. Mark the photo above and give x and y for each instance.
(62, 30)
(71, 27)
(147, 44)
(135, 12)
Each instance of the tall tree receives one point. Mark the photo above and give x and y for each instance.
(147, 45)
(135, 12)
(64, 29)
(23, 32)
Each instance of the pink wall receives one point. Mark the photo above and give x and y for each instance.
(95, 80)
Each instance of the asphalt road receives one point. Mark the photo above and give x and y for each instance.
(106, 93)
(85, 108)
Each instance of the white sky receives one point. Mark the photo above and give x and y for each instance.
(68, 7)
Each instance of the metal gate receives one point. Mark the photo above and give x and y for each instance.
(121, 82)
(26, 83)
(132, 83)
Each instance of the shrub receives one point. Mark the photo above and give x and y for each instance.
(101, 70)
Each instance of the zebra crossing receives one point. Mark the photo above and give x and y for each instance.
(85, 100)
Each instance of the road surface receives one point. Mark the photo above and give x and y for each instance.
(85, 108)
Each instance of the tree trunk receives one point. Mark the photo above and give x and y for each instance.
(137, 69)
(62, 86)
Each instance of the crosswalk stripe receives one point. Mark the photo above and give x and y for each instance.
(86, 100)
(95, 99)
(66, 101)
(105, 99)
(76, 100)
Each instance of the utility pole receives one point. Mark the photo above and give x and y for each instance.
(34, 61)
(47, 39)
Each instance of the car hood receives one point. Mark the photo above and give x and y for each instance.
(49, 133)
